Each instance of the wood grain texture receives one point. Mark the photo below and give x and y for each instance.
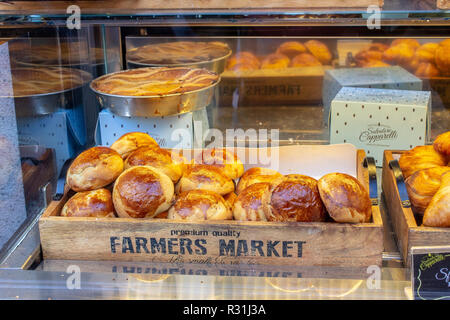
(216, 242)
(127, 6)
(408, 233)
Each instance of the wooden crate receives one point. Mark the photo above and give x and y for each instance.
(407, 226)
(213, 242)
(289, 86)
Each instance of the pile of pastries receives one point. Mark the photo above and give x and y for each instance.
(426, 170)
(288, 54)
(426, 60)
(135, 178)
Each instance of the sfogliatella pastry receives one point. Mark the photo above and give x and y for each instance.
(142, 192)
(427, 52)
(94, 168)
(412, 43)
(297, 198)
(291, 48)
(401, 54)
(442, 144)
(243, 60)
(253, 203)
(345, 198)
(437, 213)
(96, 203)
(180, 52)
(422, 186)
(373, 64)
(442, 57)
(230, 198)
(154, 81)
(169, 162)
(420, 157)
(319, 50)
(205, 177)
(131, 141)
(256, 175)
(198, 205)
(224, 159)
(275, 61)
(305, 60)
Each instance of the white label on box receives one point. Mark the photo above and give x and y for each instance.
(375, 125)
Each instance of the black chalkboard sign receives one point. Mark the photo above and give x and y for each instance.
(430, 272)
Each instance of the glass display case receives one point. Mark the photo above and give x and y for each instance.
(109, 112)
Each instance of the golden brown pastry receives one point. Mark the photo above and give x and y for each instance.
(437, 213)
(427, 52)
(243, 60)
(129, 142)
(253, 203)
(291, 48)
(198, 205)
(442, 57)
(422, 185)
(319, 50)
(372, 64)
(205, 177)
(154, 81)
(377, 46)
(256, 175)
(94, 168)
(275, 61)
(442, 144)
(96, 203)
(142, 192)
(224, 159)
(171, 163)
(345, 198)
(305, 60)
(420, 157)
(401, 54)
(366, 55)
(427, 70)
(413, 43)
(297, 198)
(178, 52)
(230, 198)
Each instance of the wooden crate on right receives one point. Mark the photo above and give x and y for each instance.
(406, 224)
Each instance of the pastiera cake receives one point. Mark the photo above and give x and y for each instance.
(155, 81)
(178, 52)
(32, 81)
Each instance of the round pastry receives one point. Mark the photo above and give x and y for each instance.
(96, 203)
(131, 141)
(305, 60)
(442, 144)
(427, 52)
(243, 59)
(345, 198)
(170, 163)
(427, 70)
(297, 198)
(256, 175)
(413, 43)
(198, 205)
(224, 159)
(142, 192)
(253, 203)
(275, 61)
(291, 48)
(402, 55)
(205, 177)
(420, 157)
(437, 213)
(319, 50)
(442, 57)
(94, 168)
(422, 186)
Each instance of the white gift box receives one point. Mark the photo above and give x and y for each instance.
(394, 77)
(183, 131)
(380, 119)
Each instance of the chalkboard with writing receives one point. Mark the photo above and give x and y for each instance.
(430, 271)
